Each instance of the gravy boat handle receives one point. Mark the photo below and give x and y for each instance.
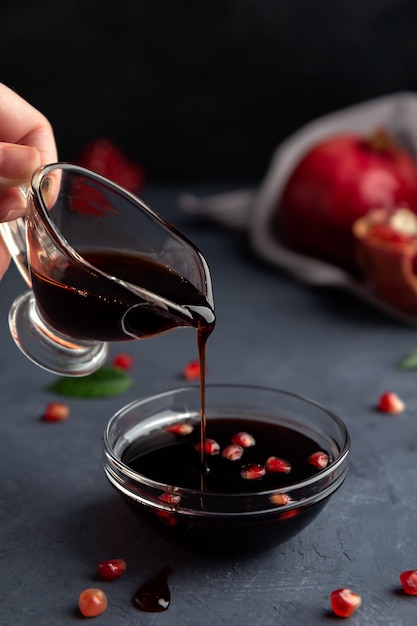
(14, 237)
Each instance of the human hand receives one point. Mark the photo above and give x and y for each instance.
(26, 142)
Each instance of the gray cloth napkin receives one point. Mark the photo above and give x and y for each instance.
(251, 208)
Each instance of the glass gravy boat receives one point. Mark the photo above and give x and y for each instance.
(101, 266)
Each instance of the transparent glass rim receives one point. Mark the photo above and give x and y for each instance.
(321, 476)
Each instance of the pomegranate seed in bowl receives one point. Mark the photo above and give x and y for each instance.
(232, 452)
(243, 439)
(319, 459)
(253, 471)
(180, 428)
(280, 499)
(275, 464)
(211, 447)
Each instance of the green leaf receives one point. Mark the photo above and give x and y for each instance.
(105, 382)
(410, 362)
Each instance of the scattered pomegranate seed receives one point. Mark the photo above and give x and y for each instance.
(253, 471)
(111, 569)
(180, 428)
(389, 402)
(319, 459)
(243, 439)
(280, 499)
(233, 452)
(409, 581)
(56, 412)
(170, 498)
(92, 602)
(191, 371)
(123, 361)
(275, 464)
(344, 602)
(212, 447)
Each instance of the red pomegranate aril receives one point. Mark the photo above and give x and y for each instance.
(56, 412)
(180, 428)
(275, 464)
(111, 569)
(252, 471)
(123, 361)
(92, 602)
(388, 264)
(409, 581)
(319, 459)
(211, 448)
(170, 498)
(167, 518)
(344, 602)
(191, 371)
(288, 514)
(233, 452)
(243, 439)
(387, 233)
(390, 402)
(280, 499)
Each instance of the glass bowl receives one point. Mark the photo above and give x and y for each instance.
(261, 498)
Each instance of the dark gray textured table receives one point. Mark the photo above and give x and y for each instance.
(59, 516)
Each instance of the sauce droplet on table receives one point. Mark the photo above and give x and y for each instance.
(154, 595)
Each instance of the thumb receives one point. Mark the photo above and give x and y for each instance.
(17, 164)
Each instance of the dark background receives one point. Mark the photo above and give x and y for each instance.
(202, 90)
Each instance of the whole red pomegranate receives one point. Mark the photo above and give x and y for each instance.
(337, 182)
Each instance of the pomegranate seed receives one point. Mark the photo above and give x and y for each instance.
(111, 569)
(409, 581)
(253, 471)
(389, 402)
(180, 428)
(170, 498)
(243, 439)
(232, 452)
(191, 371)
(167, 518)
(387, 233)
(123, 361)
(288, 514)
(56, 412)
(274, 464)
(280, 499)
(344, 602)
(92, 602)
(212, 447)
(319, 459)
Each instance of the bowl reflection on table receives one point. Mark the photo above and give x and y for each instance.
(166, 488)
